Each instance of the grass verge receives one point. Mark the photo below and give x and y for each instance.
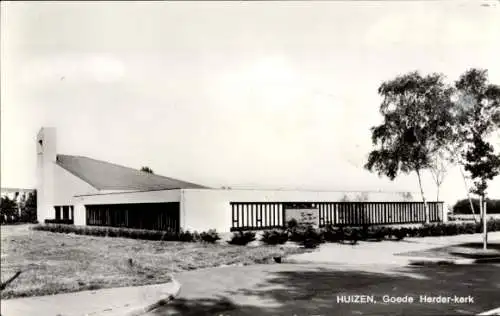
(54, 263)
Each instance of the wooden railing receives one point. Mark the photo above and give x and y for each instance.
(268, 215)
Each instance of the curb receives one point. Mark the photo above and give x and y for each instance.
(160, 302)
(492, 312)
(427, 261)
(341, 263)
(406, 262)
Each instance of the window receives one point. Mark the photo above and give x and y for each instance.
(65, 212)
(58, 212)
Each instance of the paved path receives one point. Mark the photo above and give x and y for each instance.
(314, 289)
(106, 302)
(385, 252)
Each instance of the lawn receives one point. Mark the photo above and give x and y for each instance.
(55, 263)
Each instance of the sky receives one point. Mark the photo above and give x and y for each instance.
(242, 94)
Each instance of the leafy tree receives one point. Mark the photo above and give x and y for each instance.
(479, 113)
(28, 211)
(438, 167)
(417, 116)
(147, 169)
(483, 165)
(478, 107)
(461, 206)
(8, 209)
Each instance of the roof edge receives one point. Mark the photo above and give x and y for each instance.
(129, 192)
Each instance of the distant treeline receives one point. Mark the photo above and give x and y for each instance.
(463, 206)
(20, 209)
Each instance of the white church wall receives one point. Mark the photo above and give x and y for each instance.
(67, 185)
(203, 209)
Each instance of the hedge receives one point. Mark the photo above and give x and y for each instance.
(185, 236)
(59, 221)
(310, 237)
(463, 206)
(306, 236)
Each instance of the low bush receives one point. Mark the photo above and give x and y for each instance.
(144, 234)
(210, 236)
(59, 221)
(274, 237)
(312, 238)
(188, 236)
(353, 234)
(350, 234)
(400, 233)
(307, 236)
(292, 224)
(493, 225)
(296, 234)
(373, 233)
(469, 228)
(332, 234)
(241, 238)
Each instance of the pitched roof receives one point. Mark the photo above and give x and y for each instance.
(108, 176)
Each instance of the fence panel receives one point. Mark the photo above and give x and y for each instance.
(268, 215)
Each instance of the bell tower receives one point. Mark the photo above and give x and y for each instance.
(46, 144)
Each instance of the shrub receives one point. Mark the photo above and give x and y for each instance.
(493, 224)
(292, 224)
(241, 238)
(451, 230)
(460, 229)
(59, 221)
(469, 228)
(274, 237)
(185, 236)
(307, 236)
(311, 237)
(437, 230)
(108, 232)
(370, 233)
(113, 233)
(210, 236)
(479, 227)
(331, 234)
(424, 231)
(353, 235)
(400, 233)
(379, 234)
(412, 232)
(296, 234)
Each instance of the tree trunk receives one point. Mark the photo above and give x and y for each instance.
(468, 195)
(485, 226)
(426, 207)
(437, 194)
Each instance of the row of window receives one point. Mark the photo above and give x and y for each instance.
(65, 212)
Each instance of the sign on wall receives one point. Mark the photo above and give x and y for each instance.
(304, 216)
